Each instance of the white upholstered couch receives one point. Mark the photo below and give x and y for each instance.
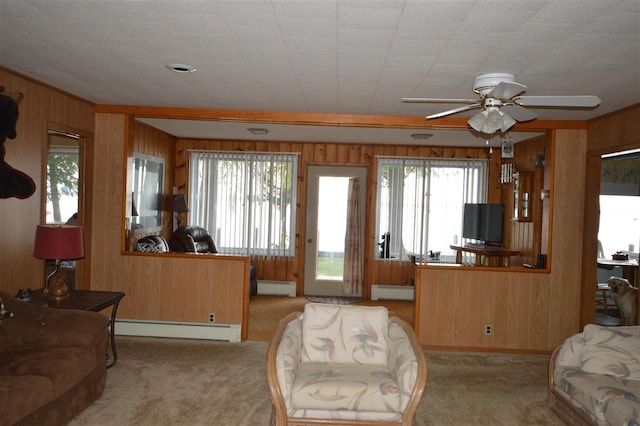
(594, 377)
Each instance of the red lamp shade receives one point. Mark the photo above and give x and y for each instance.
(60, 242)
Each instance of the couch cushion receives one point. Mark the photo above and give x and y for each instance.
(595, 391)
(612, 351)
(326, 386)
(345, 334)
(42, 373)
(623, 412)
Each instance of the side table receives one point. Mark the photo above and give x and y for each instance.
(87, 300)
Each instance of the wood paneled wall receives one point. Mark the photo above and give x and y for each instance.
(528, 310)
(41, 108)
(609, 134)
(526, 236)
(331, 154)
(166, 287)
(457, 302)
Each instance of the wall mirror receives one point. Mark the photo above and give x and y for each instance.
(147, 187)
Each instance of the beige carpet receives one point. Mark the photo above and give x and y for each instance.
(193, 382)
(266, 311)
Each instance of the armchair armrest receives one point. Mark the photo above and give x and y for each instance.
(407, 364)
(37, 325)
(283, 356)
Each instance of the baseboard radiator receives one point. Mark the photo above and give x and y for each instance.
(179, 330)
(392, 292)
(277, 288)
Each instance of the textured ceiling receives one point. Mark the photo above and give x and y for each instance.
(348, 57)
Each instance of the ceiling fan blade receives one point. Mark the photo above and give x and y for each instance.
(507, 90)
(438, 101)
(586, 101)
(455, 110)
(518, 112)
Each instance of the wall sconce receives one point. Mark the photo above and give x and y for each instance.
(58, 242)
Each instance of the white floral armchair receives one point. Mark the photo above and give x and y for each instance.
(344, 364)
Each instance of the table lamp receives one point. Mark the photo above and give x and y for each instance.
(178, 205)
(58, 242)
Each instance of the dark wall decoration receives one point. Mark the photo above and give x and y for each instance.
(13, 183)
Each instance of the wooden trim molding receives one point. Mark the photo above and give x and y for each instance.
(322, 119)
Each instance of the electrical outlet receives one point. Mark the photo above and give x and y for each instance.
(212, 317)
(487, 329)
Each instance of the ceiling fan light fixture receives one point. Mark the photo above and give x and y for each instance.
(490, 121)
(493, 121)
(478, 120)
(507, 123)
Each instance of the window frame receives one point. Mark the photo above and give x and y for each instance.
(475, 190)
(208, 216)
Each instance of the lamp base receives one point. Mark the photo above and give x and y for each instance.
(57, 288)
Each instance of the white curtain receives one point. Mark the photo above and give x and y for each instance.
(246, 200)
(420, 202)
(352, 276)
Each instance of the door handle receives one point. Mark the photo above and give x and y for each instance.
(309, 240)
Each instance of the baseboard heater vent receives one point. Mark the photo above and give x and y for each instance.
(392, 292)
(179, 330)
(277, 288)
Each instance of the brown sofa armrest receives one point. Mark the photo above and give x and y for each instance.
(32, 324)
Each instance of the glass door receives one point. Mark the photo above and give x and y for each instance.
(335, 230)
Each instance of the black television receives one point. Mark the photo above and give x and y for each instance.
(483, 222)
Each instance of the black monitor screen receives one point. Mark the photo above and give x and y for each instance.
(483, 222)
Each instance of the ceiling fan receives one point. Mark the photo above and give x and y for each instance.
(503, 103)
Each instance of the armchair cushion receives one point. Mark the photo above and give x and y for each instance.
(323, 386)
(345, 334)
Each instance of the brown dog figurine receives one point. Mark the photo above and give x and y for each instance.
(624, 295)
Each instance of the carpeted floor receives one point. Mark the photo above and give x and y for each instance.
(334, 300)
(266, 311)
(195, 382)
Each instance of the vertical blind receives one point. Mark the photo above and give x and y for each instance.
(420, 202)
(246, 200)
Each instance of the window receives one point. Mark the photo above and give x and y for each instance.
(246, 200)
(63, 169)
(619, 229)
(420, 203)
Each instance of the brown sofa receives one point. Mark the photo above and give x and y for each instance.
(52, 365)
